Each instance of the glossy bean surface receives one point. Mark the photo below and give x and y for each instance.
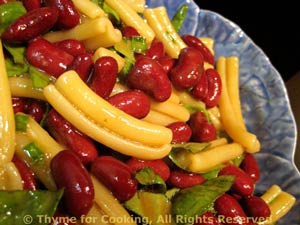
(83, 65)
(251, 167)
(115, 175)
(32, 4)
(134, 102)
(70, 174)
(47, 57)
(242, 185)
(66, 134)
(256, 207)
(31, 25)
(183, 179)
(149, 76)
(181, 132)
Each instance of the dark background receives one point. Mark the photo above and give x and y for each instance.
(273, 26)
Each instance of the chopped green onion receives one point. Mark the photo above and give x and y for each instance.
(39, 78)
(179, 17)
(138, 44)
(34, 153)
(21, 121)
(13, 69)
(193, 147)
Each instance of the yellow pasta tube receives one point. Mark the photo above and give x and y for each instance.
(131, 18)
(7, 122)
(102, 112)
(159, 118)
(100, 52)
(89, 8)
(232, 82)
(136, 5)
(94, 216)
(99, 133)
(84, 31)
(10, 178)
(106, 39)
(209, 43)
(159, 21)
(280, 202)
(22, 87)
(210, 158)
(234, 129)
(109, 204)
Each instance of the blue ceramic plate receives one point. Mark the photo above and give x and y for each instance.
(264, 98)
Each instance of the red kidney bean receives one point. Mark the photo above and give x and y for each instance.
(19, 104)
(28, 179)
(255, 207)
(72, 46)
(36, 109)
(70, 174)
(129, 32)
(195, 42)
(214, 88)
(115, 175)
(207, 218)
(47, 57)
(104, 76)
(186, 72)
(156, 50)
(181, 132)
(158, 166)
(66, 134)
(166, 62)
(242, 185)
(30, 25)
(149, 76)
(182, 179)
(251, 167)
(202, 130)
(69, 16)
(32, 4)
(229, 210)
(200, 90)
(134, 102)
(83, 65)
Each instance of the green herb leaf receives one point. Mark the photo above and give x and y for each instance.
(193, 147)
(34, 153)
(19, 207)
(196, 200)
(110, 11)
(17, 52)
(13, 69)
(39, 78)
(179, 17)
(138, 44)
(153, 208)
(21, 121)
(9, 12)
(148, 177)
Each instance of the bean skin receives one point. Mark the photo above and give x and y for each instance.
(149, 76)
(242, 185)
(47, 57)
(36, 109)
(158, 166)
(188, 69)
(200, 90)
(229, 208)
(134, 102)
(181, 132)
(202, 130)
(104, 76)
(19, 104)
(28, 179)
(214, 88)
(129, 32)
(70, 174)
(68, 17)
(255, 207)
(72, 46)
(156, 50)
(166, 62)
(195, 42)
(115, 175)
(32, 4)
(31, 25)
(251, 167)
(66, 134)
(182, 179)
(83, 65)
